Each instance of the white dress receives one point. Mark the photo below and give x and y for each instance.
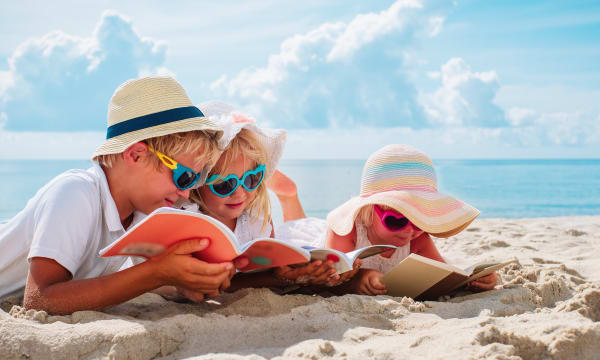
(248, 228)
(379, 262)
(312, 232)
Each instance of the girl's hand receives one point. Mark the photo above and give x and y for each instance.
(314, 273)
(368, 282)
(484, 283)
(342, 278)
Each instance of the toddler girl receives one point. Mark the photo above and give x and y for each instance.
(235, 192)
(399, 205)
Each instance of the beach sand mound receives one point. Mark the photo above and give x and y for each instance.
(546, 307)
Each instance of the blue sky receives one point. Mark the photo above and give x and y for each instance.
(463, 79)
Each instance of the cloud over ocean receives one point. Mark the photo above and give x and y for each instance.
(330, 86)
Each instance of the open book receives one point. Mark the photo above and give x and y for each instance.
(426, 279)
(343, 261)
(165, 227)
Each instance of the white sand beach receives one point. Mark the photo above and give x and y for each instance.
(546, 307)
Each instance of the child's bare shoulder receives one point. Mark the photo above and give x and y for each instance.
(341, 242)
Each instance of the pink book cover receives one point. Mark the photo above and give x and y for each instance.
(165, 227)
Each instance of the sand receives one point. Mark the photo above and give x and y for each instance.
(546, 307)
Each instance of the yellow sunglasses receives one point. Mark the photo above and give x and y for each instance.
(183, 177)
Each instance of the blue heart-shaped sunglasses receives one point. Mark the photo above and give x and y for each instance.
(225, 186)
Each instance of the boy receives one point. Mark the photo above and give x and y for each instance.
(51, 247)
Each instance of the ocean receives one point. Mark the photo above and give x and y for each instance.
(498, 188)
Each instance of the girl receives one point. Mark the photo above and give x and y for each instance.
(235, 193)
(399, 205)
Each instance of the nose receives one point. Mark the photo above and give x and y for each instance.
(240, 192)
(183, 193)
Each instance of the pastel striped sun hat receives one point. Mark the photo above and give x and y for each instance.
(150, 107)
(403, 178)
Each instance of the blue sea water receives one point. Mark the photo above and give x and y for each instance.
(499, 188)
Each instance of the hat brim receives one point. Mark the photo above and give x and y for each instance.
(272, 140)
(120, 143)
(436, 213)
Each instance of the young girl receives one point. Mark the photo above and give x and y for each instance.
(235, 192)
(399, 205)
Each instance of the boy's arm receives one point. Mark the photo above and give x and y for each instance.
(49, 286)
(424, 246)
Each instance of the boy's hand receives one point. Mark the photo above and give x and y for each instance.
(316, 272)
(199, 279)
(484, 283)
(368, 282)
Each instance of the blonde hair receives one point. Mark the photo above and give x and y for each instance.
(365, 214)
(199, 142)
(246, 145)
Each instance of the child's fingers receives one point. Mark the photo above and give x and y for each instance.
(240, 262)
(195, 296)
(312, 267)
(364, 290)
(189, 246)
(487, 282)
(212, 294)
(321, 269)
(206, 282)
(376, 283)
(373, 290)
(199, 267)
(478, 285)
(328, 276)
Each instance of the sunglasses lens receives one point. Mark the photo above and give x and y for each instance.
(394, 223)
(225, 187)
(185, 179)
(253, 180)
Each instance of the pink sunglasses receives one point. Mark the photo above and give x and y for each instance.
(393, 221)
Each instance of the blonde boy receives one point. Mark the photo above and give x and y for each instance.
(157, 145)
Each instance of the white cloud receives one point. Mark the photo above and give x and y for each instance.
(6, 81)
(340, 74)
(49, 145)
(438, 143)
(465, 98)
(60, 82)
(518, 116)
(367, 28)
(558, 128)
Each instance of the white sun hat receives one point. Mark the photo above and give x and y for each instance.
(232, 122)
(150, 107)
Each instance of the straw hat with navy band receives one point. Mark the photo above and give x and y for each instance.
(403, 178)
(150, 107)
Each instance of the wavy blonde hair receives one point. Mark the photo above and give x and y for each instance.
(245, 145)
(198, 142)
(365, 214)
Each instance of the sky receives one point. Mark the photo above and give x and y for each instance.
(462, 79)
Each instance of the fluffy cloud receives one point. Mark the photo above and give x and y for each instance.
(61, 82)
(465, 98)
(340, 74)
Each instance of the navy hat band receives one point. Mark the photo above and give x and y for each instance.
(159, 118)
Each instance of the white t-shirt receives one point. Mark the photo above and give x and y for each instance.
(69, 220)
